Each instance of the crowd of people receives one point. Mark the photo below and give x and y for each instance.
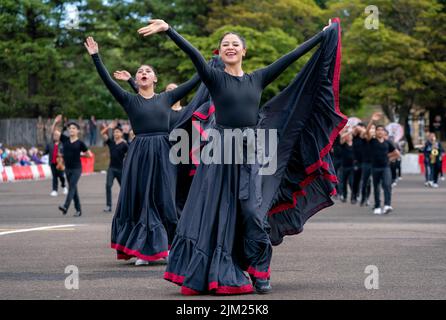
(367, 158)
(21, 156)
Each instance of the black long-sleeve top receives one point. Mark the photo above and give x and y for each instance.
(174, 114)
(237, 99)
(145, 115)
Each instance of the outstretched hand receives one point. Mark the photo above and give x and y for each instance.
(91, 45)
(155, 26)
(329, 24)
(123, 75)
(376, 116)
(58, 118)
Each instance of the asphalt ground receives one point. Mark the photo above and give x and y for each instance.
(406, 249)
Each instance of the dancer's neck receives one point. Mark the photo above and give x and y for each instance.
(234, 70)
(147, 93)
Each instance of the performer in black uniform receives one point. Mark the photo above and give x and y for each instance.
(366, 156)
(358, 130)
(177, 108)
(382, 151)
(223, 229)
(118, 148)
(347, 162)
(72, 148)
(146, 217)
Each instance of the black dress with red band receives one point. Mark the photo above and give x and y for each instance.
(232, 215)
(146, 215)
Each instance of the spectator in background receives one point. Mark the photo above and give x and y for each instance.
(35, 156)
(22, 157)
(56, 163)
(92, 130)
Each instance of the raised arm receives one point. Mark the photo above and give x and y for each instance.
(124, 75)
(155, 26)
(375, 117)
(271, 72)
(183, 89)
(118, 93)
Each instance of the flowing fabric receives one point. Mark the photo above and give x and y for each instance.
(221, 233)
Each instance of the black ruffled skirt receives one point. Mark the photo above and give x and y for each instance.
(233, 216)
(146, 217)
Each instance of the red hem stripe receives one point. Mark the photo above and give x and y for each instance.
(259, 274)
(139, 255)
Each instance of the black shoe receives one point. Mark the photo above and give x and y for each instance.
(78, 213)
(262, 286)
(353, 201)
(107, 209)
(63, 209)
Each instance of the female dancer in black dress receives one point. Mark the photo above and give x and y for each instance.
(232, 216)
(146, 217)
(177, 108)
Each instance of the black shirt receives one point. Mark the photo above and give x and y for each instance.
(347, 155)
(72, 152)
(117, 153)
(145, 115)
(379, 152)
(237, 99)
(365, 151)
(357, 148)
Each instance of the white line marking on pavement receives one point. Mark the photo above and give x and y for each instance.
(36, 229)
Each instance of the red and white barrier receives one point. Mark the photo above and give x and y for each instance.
(33, 172)
(39, 172)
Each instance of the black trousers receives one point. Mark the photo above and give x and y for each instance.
(57, 174)
(365, 181)
(112, 173)
(356, 185)
(383, 177)
(436, 170)
(395, 167)
(347, 180)
(73, 176)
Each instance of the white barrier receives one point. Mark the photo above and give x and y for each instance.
(33, 172)
(410, 164)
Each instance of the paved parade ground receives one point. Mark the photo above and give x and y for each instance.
(327, 261)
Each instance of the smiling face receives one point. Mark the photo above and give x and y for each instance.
(232, 49)
(145, 77)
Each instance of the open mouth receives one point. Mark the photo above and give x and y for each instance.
(144, 78)
(230, 54)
